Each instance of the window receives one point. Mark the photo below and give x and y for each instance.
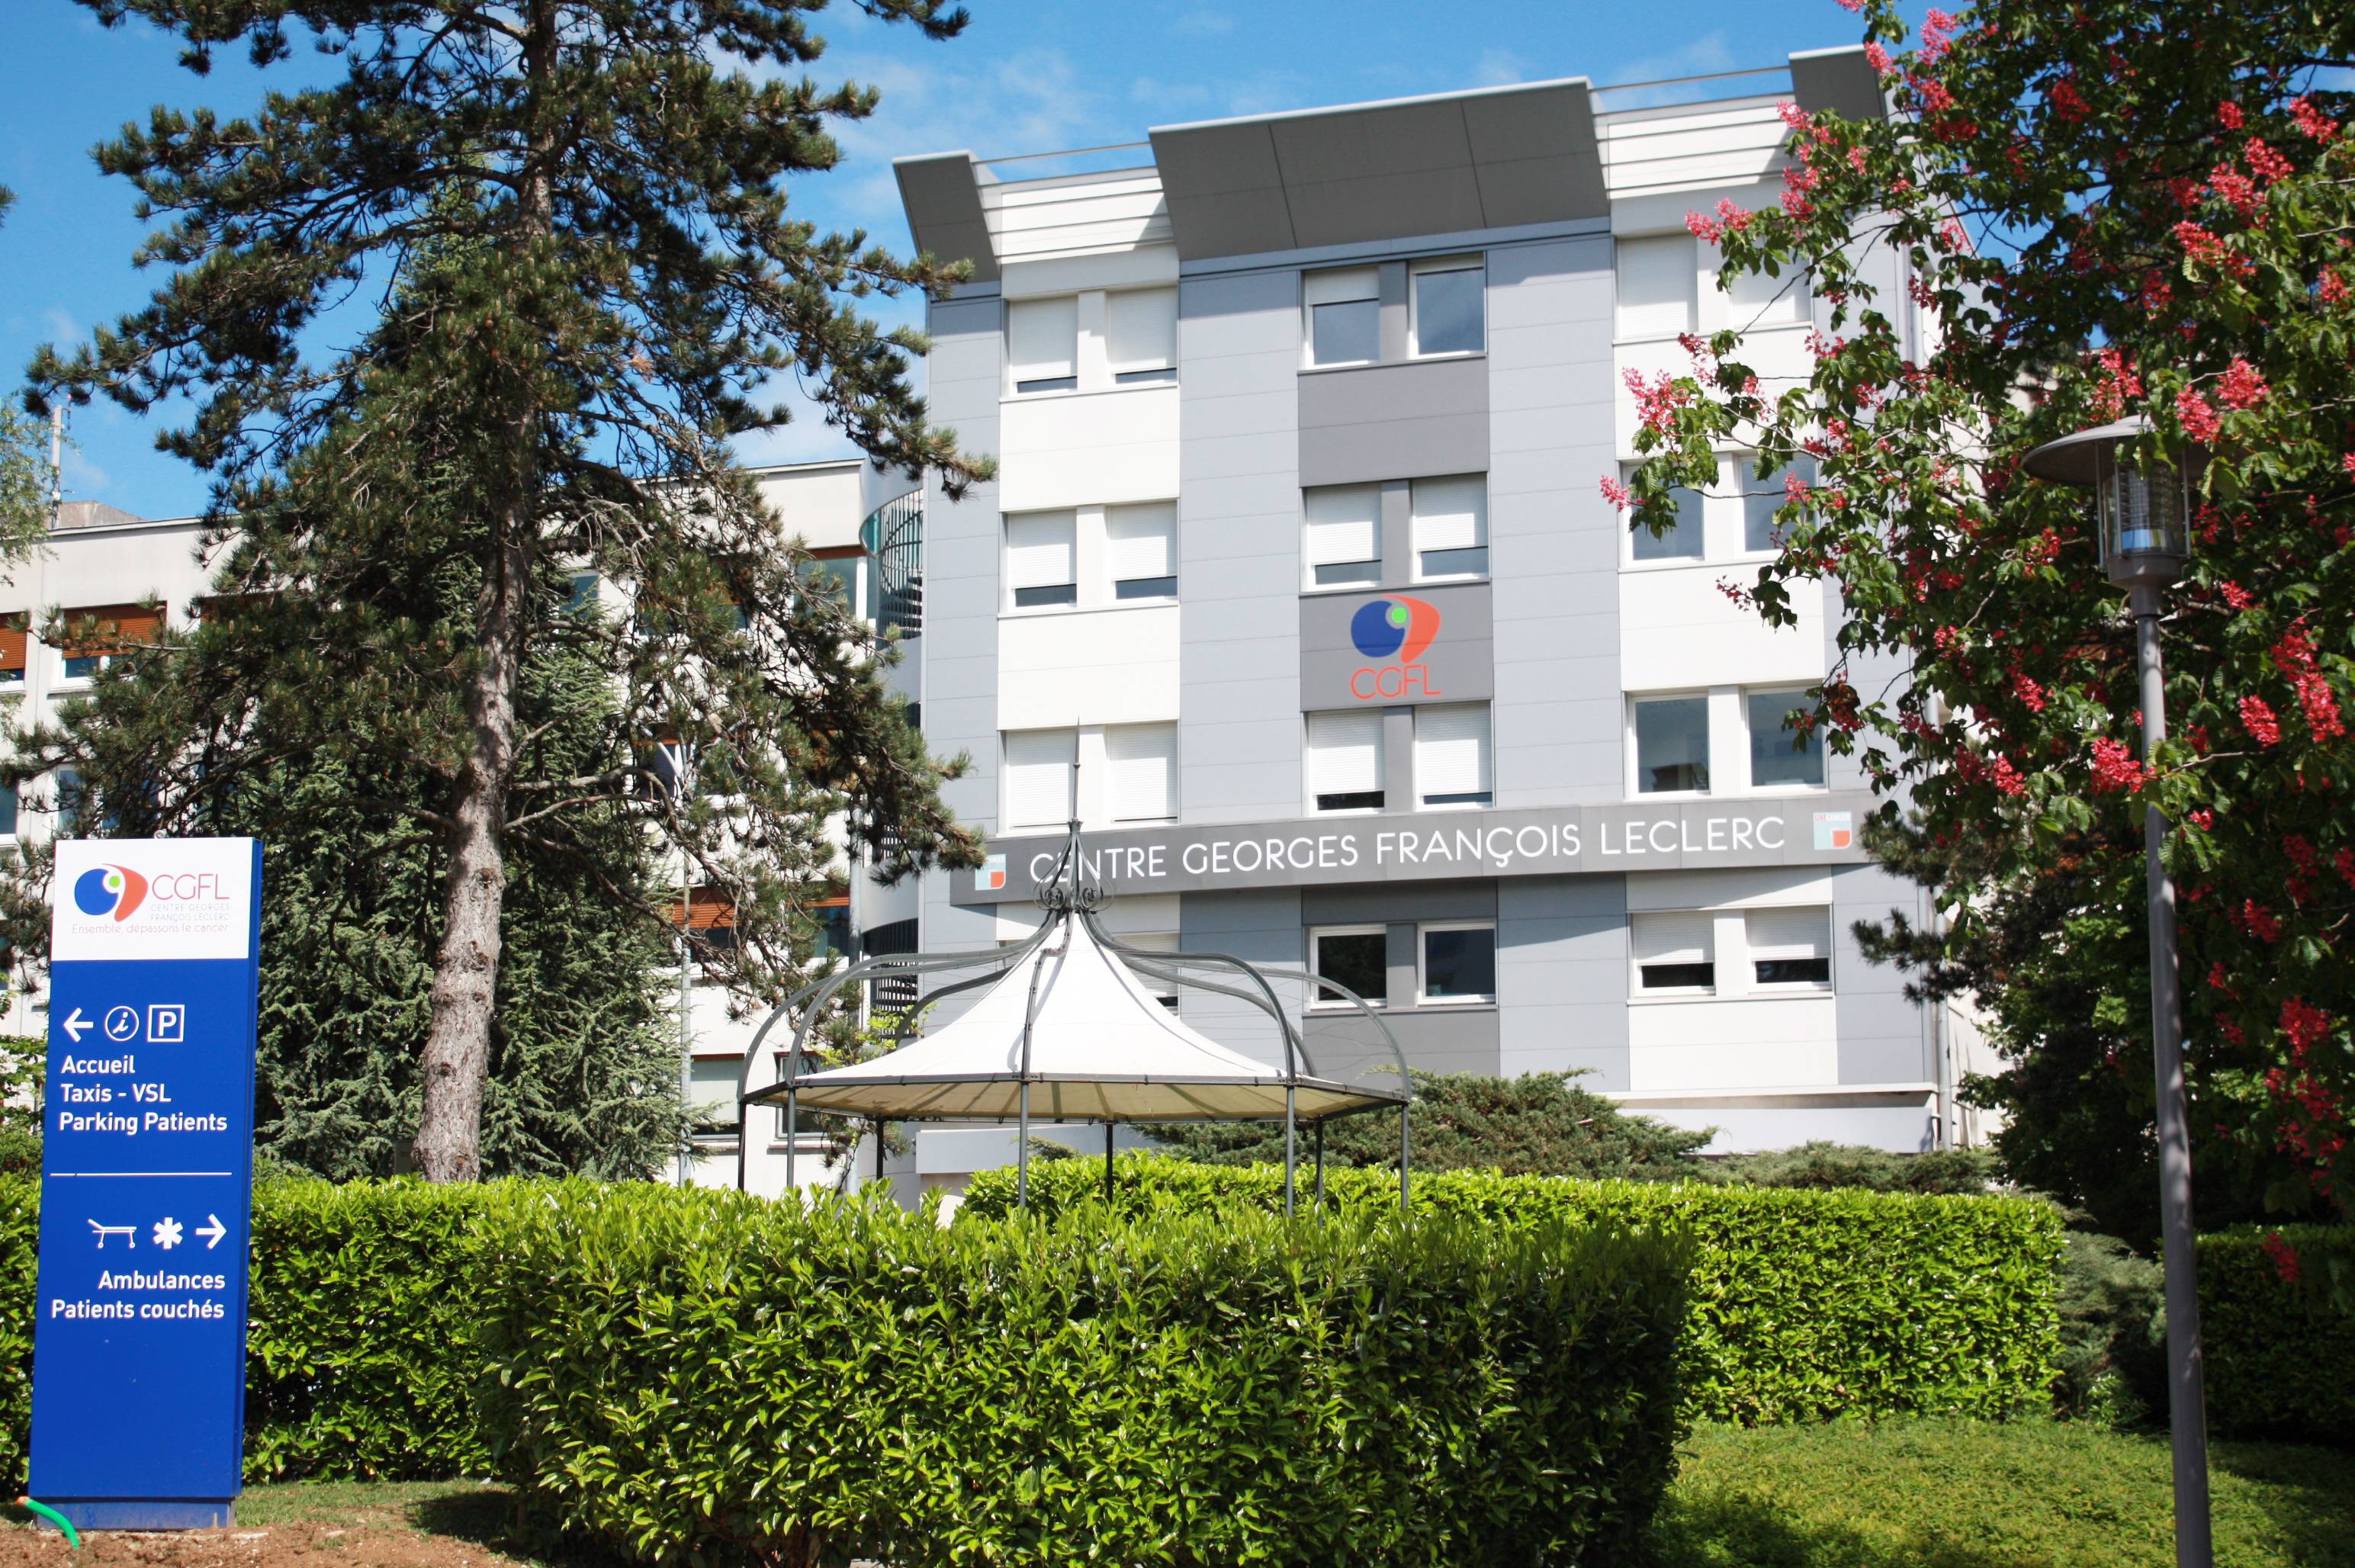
(1681, 542)
(1356, 957)
(1345, 535)
(1761, 498)
(1163, 991)
(1040, 764)
(1674, 953)
(1451, 526)
(1345, 316)
(1345, 760)
(14, 649)
(1758, 300)
(1447, 304)
(1779, 753)
(1141, 771)
(835, 574)
(711, 918)
(833, 939)
(1141, 335)
(1459, 962)
(1141, 551)
(1657, 278)
(1791, 947)
(68, 800)
(94, 637)
(1671, 745)
(1042, 342)
(1451, 755)
(1039, 560)
(7, 811)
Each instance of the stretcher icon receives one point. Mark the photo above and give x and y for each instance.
(130, 1235)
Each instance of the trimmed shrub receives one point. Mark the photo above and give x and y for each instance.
(2281, 1350)
(20, 1246)
(1806, 1304)
(698, 1376)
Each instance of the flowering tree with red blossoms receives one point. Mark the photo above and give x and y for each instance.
(2098, 215)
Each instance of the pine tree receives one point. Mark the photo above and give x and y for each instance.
(607, 179)
(25, 476)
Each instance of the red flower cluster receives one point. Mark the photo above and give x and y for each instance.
(2258, 719)
(2268, 164)
(1878, 59)
(2117, 383)
(2242, 386)
(1615, 492)
(2067, 102)
(2306, 1024)
(2200, 246)
(2228, 113)
(2311, 121)
(2238, 597)
(2200, 420)
(1937, 34)
(2257, 921)
(2283, 1256)
(2031, 694)
(2233, 186)
(2115, 769)
(1656, 400)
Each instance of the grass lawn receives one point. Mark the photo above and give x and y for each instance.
(1898, 1494)
(1962, 1494)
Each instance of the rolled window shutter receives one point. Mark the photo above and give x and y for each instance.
(1344, 753)
(1673, 938)
(99, 629)
(12, 641)
(1038, 765)
(1142, 760)
(1341, 284)
(1659, 277)
(1344, 523)
(1038, 549)
(1802, 933)
(1141, 541)
(1451, 751)
(1143, 330)
(1451, 514)
(1042, 338)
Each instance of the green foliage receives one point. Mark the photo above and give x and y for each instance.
(2110, 1299)
(1538, 1124)
(701, 1375)
(2096, 221)
(1966, 1494)
(1805, 1305)
(23, 1065)
(20, 1242)
(25, 482)
(2277, 1321)
(360, 1359)
(1962, 1171)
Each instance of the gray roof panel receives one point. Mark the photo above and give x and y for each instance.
(1841, 80)
(945, 213)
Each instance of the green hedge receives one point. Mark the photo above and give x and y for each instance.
(2281, 1353)
(20, 1245)
(1806, 1304)
(703, 1377)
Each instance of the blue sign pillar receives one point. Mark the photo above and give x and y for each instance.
(147, 1173)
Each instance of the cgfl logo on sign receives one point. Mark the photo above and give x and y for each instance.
(1394, 626)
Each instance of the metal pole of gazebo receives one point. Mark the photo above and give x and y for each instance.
(1108, 1132)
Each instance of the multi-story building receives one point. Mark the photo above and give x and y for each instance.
(1298, 590)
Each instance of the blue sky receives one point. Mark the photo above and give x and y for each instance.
(1026, 76)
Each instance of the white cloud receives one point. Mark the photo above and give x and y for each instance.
(1500, 68)
(1202, 25)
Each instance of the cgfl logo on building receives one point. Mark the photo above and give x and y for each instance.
(1399, 628)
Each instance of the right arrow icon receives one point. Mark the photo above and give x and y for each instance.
(212, 1232)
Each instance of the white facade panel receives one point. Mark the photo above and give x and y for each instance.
(1088, 667)
(1722, 1044)
(1074, 449)
(1679, 630)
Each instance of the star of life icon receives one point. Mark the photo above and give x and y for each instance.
(167, 1232)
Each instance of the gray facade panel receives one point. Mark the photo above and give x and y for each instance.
(1368, 904)
(1393, 422)
(1238, 539)
(1457, 664)
(1562, 976)
(1261, 926)
(1883, 1037)
(1554, 541)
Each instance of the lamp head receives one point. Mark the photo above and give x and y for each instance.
(2144, 512)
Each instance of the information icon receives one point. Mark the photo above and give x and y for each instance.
(122, 1023)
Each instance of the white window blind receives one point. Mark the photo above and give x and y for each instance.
(1451, 513)
(1790, 946)
(1141, 329)
(1038, 549)
(1344, 753)
(1043, 339)
(1344, 523)
(1764, 301)
(1450, 754)
(1038, 766)
(1142, 763)
(1673, 952)
(1658, 277)
(1342, 284)
(1141, 541)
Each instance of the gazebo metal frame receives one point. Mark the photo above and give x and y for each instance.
(1066, 900)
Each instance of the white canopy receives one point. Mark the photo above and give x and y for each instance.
(1103, 1048)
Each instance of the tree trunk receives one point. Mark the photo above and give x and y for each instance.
(457, 1056)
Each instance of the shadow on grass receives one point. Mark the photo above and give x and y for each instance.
(1734, 1531)
(495, 1520)
(2308, 1501)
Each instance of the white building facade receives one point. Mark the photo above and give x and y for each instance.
(1296, 587)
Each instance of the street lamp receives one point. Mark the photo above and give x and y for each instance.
(2145, 515)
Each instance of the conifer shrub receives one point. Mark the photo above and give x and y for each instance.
(701, 1376)
(1806, 1303)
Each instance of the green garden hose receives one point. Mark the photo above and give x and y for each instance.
(73, 1537)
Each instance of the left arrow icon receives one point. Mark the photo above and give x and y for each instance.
(213, 1232)
(74, 1024)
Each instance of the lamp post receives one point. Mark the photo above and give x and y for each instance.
(2144, 514)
